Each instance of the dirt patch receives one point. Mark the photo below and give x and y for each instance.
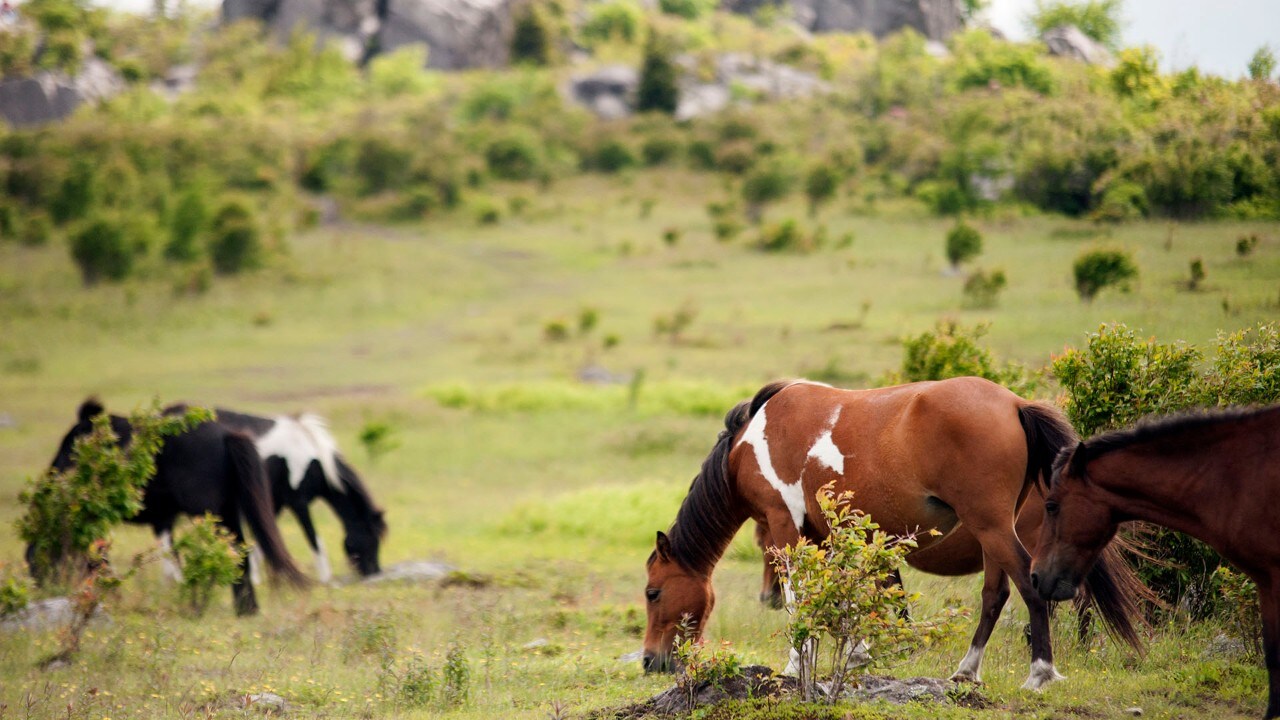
(758, 681)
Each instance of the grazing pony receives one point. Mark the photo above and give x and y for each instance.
(303, 463)
(207, 469)
(1214, 476)
(960, 452)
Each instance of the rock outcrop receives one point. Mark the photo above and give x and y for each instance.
(458, 33)
(50, 96)
(1071, 42)
(934, 19)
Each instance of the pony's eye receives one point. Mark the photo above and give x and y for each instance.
(651, 594)
(1051, 508)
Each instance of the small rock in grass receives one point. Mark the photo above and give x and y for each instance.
(267, 702)
(1135, 711)
(631, 657)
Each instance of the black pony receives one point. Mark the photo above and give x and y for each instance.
(303, 463)
(207, 469)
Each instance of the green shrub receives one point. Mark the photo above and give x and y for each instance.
(1246, 367)
(1137, 74)
(610, 156)
(768, 183)
(455, 686)
(659, 149)
(1263, 64)
(1095, 270)
(381, 164)
(37, 229)
(1099, 19)
(820, 185)
(612, 21)
(378, 437)
(698, 666)
(1245, 245)
(189, 221)
(77, 192)
(401, 72)
(687, 9)
(209, 558)
(787, 236)
(844, 594)
(487, 211)
(981, 290)
(964, 243)
(1238, 608)
(236, 242)
(659, 88)
(1197, 274)
(515, 156)
(67, 512)
(982, 61)
(15, 590)
(1121, 201)
(102, 251)
(953, 350)
(532, 38)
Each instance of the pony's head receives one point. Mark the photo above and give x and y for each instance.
(66, 457)
(1077, 527)
(362, 543)
(674, 596)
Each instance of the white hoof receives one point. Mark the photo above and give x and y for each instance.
(963, 676)
(793, 664)
(1042, 674)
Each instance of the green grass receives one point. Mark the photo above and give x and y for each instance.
(510, 468)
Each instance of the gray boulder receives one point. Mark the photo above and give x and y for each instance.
(45, 615)
(609, 92)
(1070, 41)
(934, 19)
(458, 33)
(736, 73)
(48, 96)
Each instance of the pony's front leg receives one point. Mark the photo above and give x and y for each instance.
(168, 561)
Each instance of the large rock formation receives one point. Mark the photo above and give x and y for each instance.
(1070, 41)
(935, 19)
(458, 33)
(50, 96)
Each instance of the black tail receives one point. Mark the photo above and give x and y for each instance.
(253, 496)
(1111, 586)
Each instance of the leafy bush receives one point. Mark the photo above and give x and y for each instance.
(1120, 202)
(982, 61)
(1095, 270)
(610, 156)
(964, 243)
(37, 229)
(67, 512)
(612, 21)
(381, 164)
(1245, 244)
(788, 236)
(1238, 599)
(659, 149)
(401, 72)
(515, 156)
(953, 350)
(687, 9)
(531, 40)
(659, 88)
(190, 219)
(699, 667)
(1137, 74)
(455, 677)
(1197, 274)
(820, 185)
(844, 593)
(209, 558)
(15, 590)
(1263, 64)
(378, 437)
(981, 289)
(1246, 367)
(102, 251)
(1099, 19)
(768, 183)
(236, 243)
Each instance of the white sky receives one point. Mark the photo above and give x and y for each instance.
(1218, 35)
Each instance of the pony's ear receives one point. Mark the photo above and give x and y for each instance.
(1079, 460)
(90, 408)
(664, 546)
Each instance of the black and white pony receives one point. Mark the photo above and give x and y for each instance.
(207, 469)
(303, 463)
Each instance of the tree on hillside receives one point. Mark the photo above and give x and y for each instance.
(658, 80)
(1263, 64)
(1099, 19)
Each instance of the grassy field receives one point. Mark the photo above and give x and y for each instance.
(510, 468)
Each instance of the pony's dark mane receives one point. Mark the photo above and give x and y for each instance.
(357, 491)
(1155, 429)
(704, 526)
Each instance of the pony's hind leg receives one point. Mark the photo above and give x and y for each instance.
(168, 562)
(1015, 561)
(995, 593)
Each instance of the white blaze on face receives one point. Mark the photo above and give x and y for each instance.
(792, 493)
(298, 441)
(825, 450)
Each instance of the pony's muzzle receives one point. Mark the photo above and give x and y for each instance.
(1055, 588)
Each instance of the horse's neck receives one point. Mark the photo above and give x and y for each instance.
(1141, 484)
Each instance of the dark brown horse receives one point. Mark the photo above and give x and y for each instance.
(942, 455)
(1213, 476)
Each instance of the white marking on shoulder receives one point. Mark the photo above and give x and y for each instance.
(792, 494)
(298, 441)
(824, 450)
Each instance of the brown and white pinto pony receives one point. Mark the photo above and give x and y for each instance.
(916, 457)
(1214, 476)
